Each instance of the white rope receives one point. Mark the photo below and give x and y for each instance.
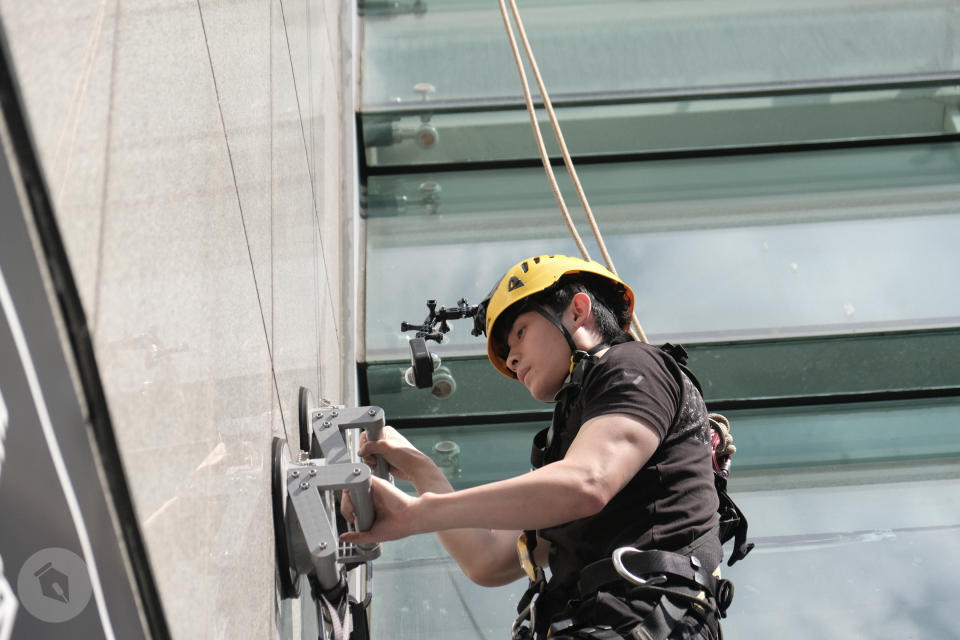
(545, 159)
(8, 607)
(342, 627)
(3, 429)
(8, 603)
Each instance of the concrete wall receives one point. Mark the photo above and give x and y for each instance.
(199, 157)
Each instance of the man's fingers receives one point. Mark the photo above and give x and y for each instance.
(346, 507)
(356, 537)
(372, 447)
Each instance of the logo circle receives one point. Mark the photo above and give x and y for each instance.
(54, 585)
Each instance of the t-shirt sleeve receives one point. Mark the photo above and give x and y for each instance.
(633, 381)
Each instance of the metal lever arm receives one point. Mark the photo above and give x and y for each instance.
(328, 426)
(306, 530)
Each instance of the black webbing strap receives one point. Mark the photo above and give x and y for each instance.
(555, 321)
(649, 563)
(733, 524)
(659, 623)
(582, 361)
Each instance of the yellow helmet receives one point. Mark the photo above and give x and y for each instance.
(525, 279)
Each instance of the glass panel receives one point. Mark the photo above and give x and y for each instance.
(619, 48)
(828, 491)
(752, 246)
(431, 136)
(815, 369)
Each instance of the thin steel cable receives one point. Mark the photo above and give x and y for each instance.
(637, 331)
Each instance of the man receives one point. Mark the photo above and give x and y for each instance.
(624, 467)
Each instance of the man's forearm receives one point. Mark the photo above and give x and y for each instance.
(487, 557)
(549, 496)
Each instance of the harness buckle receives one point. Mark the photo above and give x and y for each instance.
(524, 626)
(626, 574)
(526, 558)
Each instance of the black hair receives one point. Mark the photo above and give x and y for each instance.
(608, 302)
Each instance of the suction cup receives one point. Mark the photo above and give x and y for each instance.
(305, 413)
(281, 461)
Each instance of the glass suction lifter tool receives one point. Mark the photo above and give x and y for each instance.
(423, 363)
(306, 487)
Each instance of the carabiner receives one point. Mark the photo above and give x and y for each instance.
(517, 630)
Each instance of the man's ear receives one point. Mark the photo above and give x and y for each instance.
(582, 308)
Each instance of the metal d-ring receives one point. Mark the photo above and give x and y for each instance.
(626, 574)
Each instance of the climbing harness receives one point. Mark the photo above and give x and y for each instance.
(514, 292)
(673, 576)
(733, 524)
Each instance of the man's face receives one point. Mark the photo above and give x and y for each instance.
(538, 355)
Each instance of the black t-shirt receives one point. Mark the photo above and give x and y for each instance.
(672, 500)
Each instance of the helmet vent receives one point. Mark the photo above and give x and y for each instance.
(515, 283)
(525, 267)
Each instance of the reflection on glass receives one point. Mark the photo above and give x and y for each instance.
(736, 247)
(660, 124)
(829, 491)
(623, 48)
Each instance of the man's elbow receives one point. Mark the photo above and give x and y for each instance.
(592, 495)
(485, 574)
(487, 580)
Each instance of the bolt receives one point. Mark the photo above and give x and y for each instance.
(304, 485)
(326, 424)
(424, 89)
(334, 414)
(356, 471)
(323, 545)
(295, 474)
(313, 472)
(372, 412)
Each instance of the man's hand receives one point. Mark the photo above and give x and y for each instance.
(406, 461)
(393, 514)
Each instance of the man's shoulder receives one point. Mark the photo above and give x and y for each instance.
(633, 358)
(633, 378)
(633, 354)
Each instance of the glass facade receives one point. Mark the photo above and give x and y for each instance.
(745, 246)
(623, 48)
(778, 182)
(850, 507)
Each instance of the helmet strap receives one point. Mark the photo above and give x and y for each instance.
(576, 353)
(555, 321)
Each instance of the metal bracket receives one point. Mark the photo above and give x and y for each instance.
(326, 427)
(390, 8)
(305, 490)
